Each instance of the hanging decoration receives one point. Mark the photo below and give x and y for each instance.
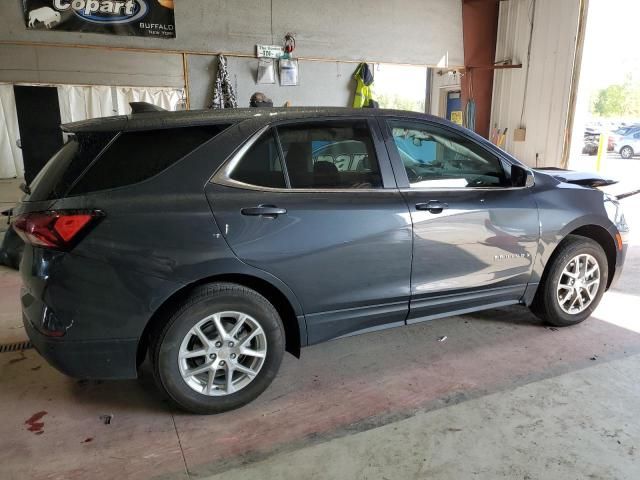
(224, 95)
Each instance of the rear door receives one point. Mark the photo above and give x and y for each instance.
(475, 236)
(315, 204)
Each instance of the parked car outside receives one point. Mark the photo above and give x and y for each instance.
(628, 145)
(212, 242)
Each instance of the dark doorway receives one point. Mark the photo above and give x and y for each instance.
(39, 124)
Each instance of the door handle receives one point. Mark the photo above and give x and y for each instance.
(433, 206)
(264, 210)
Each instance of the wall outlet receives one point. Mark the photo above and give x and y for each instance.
(519, 134)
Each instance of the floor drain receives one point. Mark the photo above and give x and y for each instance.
(15, 347)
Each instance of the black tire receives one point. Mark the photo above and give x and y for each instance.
(545, 304)
(626, 152)
(205, 300)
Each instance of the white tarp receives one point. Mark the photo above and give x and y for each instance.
(167, 98)
(76, 103)
(79, 103)
(10, 155)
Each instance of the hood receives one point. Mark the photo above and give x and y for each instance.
(585, 179)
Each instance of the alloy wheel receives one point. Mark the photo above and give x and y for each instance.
(222, 353)
(578, 284)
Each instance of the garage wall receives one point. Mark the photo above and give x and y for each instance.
(544, 109)
(80, 66)
(321, 83)
(422, 32)
(399, 31)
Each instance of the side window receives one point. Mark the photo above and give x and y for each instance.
(437, 158)
(138, 155)
(330, 155)
(261, 165)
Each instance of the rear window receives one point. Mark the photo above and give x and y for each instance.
(137, 156)
(59, 173)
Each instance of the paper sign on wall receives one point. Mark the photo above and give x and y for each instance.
(269, 51)
(456, 117)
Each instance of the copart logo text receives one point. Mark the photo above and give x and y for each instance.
(105, 11)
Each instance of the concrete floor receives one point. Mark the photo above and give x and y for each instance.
(502, 397)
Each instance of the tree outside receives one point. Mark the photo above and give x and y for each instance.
(622, 100)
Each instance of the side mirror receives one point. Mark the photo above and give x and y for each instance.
(521, 177)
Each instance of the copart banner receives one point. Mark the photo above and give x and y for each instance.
(143, 18)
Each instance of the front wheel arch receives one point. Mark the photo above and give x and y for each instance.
(605, 240)
(594, 232)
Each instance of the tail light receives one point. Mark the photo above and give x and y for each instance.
(59, 230)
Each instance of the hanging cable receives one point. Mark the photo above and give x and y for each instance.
(526, 78)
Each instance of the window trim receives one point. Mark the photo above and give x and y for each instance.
(401, 175)
(223, 175)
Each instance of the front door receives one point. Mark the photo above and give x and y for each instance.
(316, 205)
(475, 236)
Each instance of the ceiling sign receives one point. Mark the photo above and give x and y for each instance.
(142, 18)
(269, 51)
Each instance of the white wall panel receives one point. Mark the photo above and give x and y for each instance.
(544, 110)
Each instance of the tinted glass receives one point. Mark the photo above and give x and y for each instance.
(439, 158)
(261, 165)
(330, 155)
(137, 156)
(59, 173)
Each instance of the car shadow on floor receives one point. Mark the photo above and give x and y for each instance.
(336, 388)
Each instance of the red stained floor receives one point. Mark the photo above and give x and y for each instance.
(336, 388)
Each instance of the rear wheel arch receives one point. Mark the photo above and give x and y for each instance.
(293, 335)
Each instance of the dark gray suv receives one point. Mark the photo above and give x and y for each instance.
(215, 241)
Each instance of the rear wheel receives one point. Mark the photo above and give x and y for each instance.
(626, 152)
(220, 350)
(573, 283)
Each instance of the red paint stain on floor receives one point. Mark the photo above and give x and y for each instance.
(34, 423)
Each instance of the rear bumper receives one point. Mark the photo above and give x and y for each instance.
(84, 316)
(95, 359)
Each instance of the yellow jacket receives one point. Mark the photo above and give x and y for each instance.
(364, 86)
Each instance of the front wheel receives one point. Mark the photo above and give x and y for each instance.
(573, 283)
(626, 152)
(220, 350)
